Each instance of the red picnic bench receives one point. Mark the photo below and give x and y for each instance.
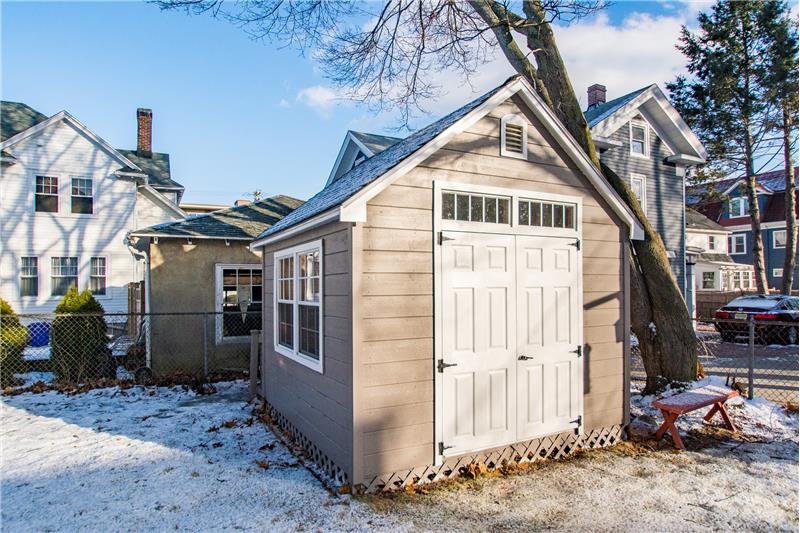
(688, 401)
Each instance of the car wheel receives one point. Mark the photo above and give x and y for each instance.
(791, 335)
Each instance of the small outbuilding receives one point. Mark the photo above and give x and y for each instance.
(457, 296)
(196, 272)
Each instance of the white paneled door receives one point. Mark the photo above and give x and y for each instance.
(510, 328)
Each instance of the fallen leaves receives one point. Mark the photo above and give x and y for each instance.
(262, 464)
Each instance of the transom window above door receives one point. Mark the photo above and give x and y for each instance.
(546, 214)
(475, 208)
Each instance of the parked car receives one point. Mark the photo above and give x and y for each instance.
(766, 312)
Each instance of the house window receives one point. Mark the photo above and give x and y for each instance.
(777, 272)
(709, 280)
(82, 196)
(742, 279)
(63, 274)
(639, 187)
(97, 276)
(546, 214)
(712, 242)
(514, 137)
(298, 304)
(475, 208)
(737, 244)
(738, 207)
(639, 138)
(779, 238)
(239, 300)
(46, 197)
(29, 277)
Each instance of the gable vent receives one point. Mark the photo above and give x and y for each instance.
(514, 137)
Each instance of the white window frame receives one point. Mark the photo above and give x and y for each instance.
(713, 280)
(294, 354)
(743, 204)
(748, 279)
(72, 196)
(712, 242)
(777, 272)
(218, 283)
(59, 184)
(643, 199)
(775, 240)
(37, 277)
(639, 123)
(53, 275)
(732, 239)
(516, 120)
(105, 277)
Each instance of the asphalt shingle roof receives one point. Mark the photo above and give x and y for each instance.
(599, 113)
(355, 179)
(16, 117)
(716, 258)
(695, 220)
(156, 167)
(240, 222)
(376, 143)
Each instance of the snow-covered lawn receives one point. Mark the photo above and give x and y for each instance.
(145, 460)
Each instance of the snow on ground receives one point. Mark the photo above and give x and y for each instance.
(143, 459)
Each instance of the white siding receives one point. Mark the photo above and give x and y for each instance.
(700, 240)
(63, 151)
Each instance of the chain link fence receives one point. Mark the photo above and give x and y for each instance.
(760, 355)
(74, 349)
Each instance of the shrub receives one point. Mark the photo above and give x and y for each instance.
(13, 339)
(79, 346)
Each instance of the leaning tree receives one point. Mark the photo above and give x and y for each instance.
(390, 54)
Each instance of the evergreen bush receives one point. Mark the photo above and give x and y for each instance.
(79, 345)
(13, 339)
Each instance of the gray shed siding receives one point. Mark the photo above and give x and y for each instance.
(665, 203)
(319, 405)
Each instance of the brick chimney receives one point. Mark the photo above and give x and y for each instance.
(144, 131)
(597, 95)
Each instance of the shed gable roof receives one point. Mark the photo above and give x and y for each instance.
(243, 222)
(350, 192)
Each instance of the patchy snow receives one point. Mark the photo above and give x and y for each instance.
(653, 328)
(30, 378)
(143, 459)
(759, 418)
(36, 353)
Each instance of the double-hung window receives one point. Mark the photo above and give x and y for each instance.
(46, 194)
(63, 274)
(29, 276)
(82, 196)
(298, 304)
(639, 187)
(738, 207)
(737, 244)
(639, 138)
(709, 280)
(97, 276)
(239, 289)
(712, 243)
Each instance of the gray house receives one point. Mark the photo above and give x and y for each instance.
(643, 139)
(459, 296)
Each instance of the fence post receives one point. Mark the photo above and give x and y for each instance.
(205, 344)
(751, 355)
(255, 356)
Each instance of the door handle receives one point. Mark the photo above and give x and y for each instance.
(442, 365)
(524, 358)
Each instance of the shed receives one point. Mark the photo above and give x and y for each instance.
(194, 271)
(459, 296)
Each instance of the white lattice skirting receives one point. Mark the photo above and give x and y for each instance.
(552, 447)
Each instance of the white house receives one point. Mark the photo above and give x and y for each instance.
(67, 201)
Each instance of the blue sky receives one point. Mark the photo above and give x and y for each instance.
(237, 115)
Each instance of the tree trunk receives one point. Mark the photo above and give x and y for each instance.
(755, 219)
(790, 258)
(661, 321)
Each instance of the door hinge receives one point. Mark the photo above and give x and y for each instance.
(442, 365)
(578, 421)
(578, 350)
(442, 448)
(443, 237)
(576, 244)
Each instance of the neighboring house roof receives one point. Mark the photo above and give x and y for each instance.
(600, 112)
(243, 222)
(374, 142)
(773, 181)
(650, 102)
(715, 258)
(156, 167)
(698, 221)
(345, 192)
(16, 117)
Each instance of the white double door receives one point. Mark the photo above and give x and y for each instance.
(511, 368)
